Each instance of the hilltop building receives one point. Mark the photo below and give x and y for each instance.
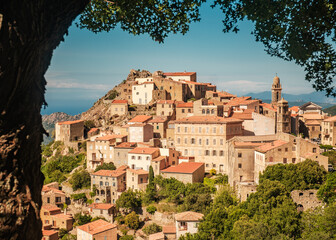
(69, 131)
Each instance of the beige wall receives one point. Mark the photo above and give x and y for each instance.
(136, 181)
(262, 125)
(328, 133)
(183, 112)
(143, 93)
(140, 133)
(165, 109)
(175, 90)
(197, 176)
(306, 199)
(121, 156)
(69, 132)
(119, 109)
(105, 213)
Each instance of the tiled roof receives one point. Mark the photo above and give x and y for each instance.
(140, 150)
(109, 137)
(178, 73)
(166, 102)
(103, 206)
(246, 115)
(247, 144)
(159, 120)
(126, 145)
(46, 189)
(158, 159)
(294, 108)
(119, 101)
(93, 130)
(156, 236)
(195, 83)
(240, 101)
(184, 167)
(138, 171)
(140, 119)
(49, 232)
(185, 105)
(330, 119)
(188, 216)
(311, 116)
(69, 122)
(268, 106)
(63, 216)
(137, 125)
(225, 94)
(269, 146)
(169, 229)
(97, 226)
(207, 120)
(312, 122)
(109, 173)
(51, 207)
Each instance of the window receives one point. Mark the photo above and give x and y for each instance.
(207, 152)
(221, 130)
(221, 153)
(239, 165)
(207, 130)
(101, 183)
(189, 110)
(186, 152)
(185, 129)
(111, 148)
(214, 130)
(207, 141)
(157, 127)
(285, 160)
(279, 149)
(214, 153)
(96, 147)
(192, 129)
(185, 140)
(206, 165)
(182, 110)
(293, 160)
(178, 140)
(133, 157)
(178, 129)
(240, 178)
(208, 111)
(314, 150)
(139, 157)
(147, 158)
(239, 154)
(214, 141)
(203, 111)
(286, 149)
(200, 129)
(193, 141)
(221, 142)
(106, 183)
(200, 141)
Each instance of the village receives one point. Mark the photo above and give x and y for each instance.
(167, 125)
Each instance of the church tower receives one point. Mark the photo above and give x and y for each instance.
(276, 91)
(283, 117)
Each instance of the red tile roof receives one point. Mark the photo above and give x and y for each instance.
(268, 106)
(103, 206)
(158, 159)
(69, 122)
(97, 226)
(50, 207)
(63, 216)
(185, 105)
(207, 120)
(138, 171)
(156, 236)
(119, 101)
(140, 119)
(247, 144)
(49, 232)
(246, 115)
(169, 229)
(269, 146)
(179, 73)
(140, 150)
(93, 130)
(109, 137)
(46, 189)
(126, 145)
(165, 101)
(330, 119)
(294, 108)
(184, 167)
(189, 216)
(109, 173)
(159, 120)
(225, 94)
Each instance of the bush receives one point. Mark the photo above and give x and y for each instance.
(82, 219)
(152, 228)
(132, 220)
(79, 196)
(129, 200)
(213, 172)
(151, 209)
(112, 95)
(106, 166)
(327, 147)
(80, 179)
(89, 124)
(127, 237)
(62, 232)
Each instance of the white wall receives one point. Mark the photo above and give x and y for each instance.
(142, 94)
(143, 163)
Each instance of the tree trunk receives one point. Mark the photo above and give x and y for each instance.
(29, 32)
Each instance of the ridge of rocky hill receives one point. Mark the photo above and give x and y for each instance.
(58, 117)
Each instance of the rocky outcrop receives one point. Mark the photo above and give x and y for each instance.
(58, 117)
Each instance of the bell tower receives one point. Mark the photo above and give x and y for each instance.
(276, 91)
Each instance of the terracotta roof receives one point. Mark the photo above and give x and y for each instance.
(158, 159)
(156, 236)
(207, 120)
(47, 189)
(140, 119)
(195, 83)
(126, 145)
(247, 144)
(97, 226)
(51, 207)
(138, 171)
(69, 122)
(49, 232)
(108, 173)
(109, 137)
(178, 73)
(185, 105)
(240, 101)
(188, 216)
(165, 101)
(311, 116)
(312, 122)
(225, 94)
(103, 206)
(159, 120)
(169, 229)
(93, 130)
(122, 168)
(246, 115)
(269, 146)
(137, 125)
(140, 150)
(119, 101)
(63, 216)
(268, 106)
(184, 167)
(330, 119)
(294, 108)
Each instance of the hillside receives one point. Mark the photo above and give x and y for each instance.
(331, 110)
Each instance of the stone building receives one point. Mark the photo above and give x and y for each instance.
(69, 131)
(204, 107)
(140, 132)
(310, 108)
(99, 230)
(52, 195)
(105, 210)
(52, 216)
(119, 107)
(160, 125)
(137, 179)
(187, 222)
(101, 150)
(219, 96)
(283, 117)
(186, 172)
(140, 157)
(166, 108)
(109, 184)
(181, 76)
(49, 234)
(329, 131)
(311, 125)
(306, 199)
(170, 89)
(184, 110)
(204, 137)
(121, 153)
(143, 93)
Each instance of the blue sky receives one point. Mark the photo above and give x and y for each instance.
(87, 65)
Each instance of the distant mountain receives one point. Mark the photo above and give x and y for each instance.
(49, 121)
(331, 110)
(316, 97)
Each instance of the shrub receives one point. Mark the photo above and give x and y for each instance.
(106, 166)
(151, 209)
(213, 172)
(80, 179)
(82, 219)
(112, 95)
(127, 237)
(132, 220)
(152, 228)
(79, 196)
(89, 124)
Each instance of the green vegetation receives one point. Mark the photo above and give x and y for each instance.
(112, 94)
(62, 232)
(69, 236)
(132, 220)
(106, 166)
(152, 228)
(80, 179)
(151, 193)
(327, 147)
(88, 124)
(327, 191)
(331, 110)
(331, 157)
(129, 201)
(79, 196)
(127, 237)
(301, 176)
(151, 209)
(82, 219)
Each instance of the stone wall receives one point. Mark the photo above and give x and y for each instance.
(306, 199)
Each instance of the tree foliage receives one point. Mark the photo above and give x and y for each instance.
(82, 219)
(150, 194)
(327, 191)
(106, 166)
(132, 220)
(129, 201)
(301, 176)
(299, 31)
(80, 179)
(152, 228)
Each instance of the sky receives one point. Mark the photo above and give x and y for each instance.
(86, 65)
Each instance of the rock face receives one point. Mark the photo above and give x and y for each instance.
(58, 117)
